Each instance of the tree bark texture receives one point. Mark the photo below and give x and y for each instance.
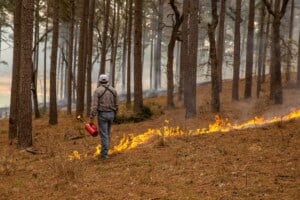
(170, 54)
(298, 64)
(290, 44)
(191, 70)
(184, 52)
(275, 83)
(138, 27)
(236, 54)
(220, 47)
(157, 55)
(215, 94)
(25, 104)
(104, 38)
(70, 57)
(89, 53)
(128, 95)
(14, 103)
(261, 52)
(53, 99)
(250, 50)
(81, 70)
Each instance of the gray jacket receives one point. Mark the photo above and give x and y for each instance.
(105, 99)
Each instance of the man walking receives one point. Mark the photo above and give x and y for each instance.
(105, 106)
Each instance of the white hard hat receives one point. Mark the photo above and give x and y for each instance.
(103, 78)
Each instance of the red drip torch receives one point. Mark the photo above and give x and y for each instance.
(91, 128)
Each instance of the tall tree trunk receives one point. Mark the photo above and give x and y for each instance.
(53, 100)
(115, 47)
(171, 45)
(35, 65)
(151, 53)
(275, 84)
(104, 39)
(70, 57)
(89, 57)
(138, 87)
(220, 47)
(128, 96)
(267, 44)
(191, 71)
(261, 52)
(250, 50)
(112, 41)
(157, 55)
(215, 94)
(45, 58)
(184, 53)
(125, 42)
(236, 54)
(81, 70)
(75, 62)
(298, 64)
(290, 44)
(14, 100)
(25, 105)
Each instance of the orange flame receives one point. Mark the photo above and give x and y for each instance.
(220, 125)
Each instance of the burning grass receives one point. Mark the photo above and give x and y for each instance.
(131, 141)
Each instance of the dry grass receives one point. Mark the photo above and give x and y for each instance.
(260, 163)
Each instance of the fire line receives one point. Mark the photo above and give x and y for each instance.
(220, 125)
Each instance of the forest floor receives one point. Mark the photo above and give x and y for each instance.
(258, 162)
